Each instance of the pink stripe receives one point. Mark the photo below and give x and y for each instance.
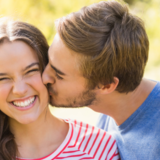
(75, 122)
(67, 142)
(103, 149)
(70, 151)
(99, 144)
(77, 136)
(105, 146)
(89, 139)
(83, 136)
(94, 141)
(78, 155)
(114, 155)
(111, 147)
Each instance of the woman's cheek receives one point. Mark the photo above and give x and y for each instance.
(36, 82)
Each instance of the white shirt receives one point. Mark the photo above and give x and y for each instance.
(84, 142)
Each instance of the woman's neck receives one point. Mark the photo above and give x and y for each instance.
(40, 137)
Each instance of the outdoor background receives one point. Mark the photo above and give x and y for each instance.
(43, 13)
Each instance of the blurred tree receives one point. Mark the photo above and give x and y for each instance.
(41, 13)
(132, 2)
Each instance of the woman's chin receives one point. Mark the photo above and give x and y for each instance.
(26, 120)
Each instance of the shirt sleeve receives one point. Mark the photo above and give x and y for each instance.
(103, 122)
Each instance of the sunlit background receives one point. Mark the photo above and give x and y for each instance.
(43, 13)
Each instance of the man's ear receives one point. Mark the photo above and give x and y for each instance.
(109, 88)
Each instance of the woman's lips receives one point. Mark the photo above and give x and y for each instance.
(24, 104)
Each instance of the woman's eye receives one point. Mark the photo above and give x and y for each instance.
(59, 77)
(33, 70)
(5, 78)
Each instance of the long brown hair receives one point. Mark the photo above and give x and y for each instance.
(16, 30)
(110, 41)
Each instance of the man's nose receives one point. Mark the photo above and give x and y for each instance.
(47, 76)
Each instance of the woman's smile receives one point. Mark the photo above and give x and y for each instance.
(25, 103)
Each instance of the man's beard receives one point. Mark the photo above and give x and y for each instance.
(86, 98)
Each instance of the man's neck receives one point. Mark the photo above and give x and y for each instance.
(120, 106)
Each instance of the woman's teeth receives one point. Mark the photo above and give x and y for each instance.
(24, 103)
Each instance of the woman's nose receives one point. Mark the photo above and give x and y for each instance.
(20, 88)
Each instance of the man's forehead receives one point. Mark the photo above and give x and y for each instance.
(57, 44)
(58, 48)
(63, 57)
(56, 36)
(57, 40)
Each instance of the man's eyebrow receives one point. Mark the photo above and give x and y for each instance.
(31, 65)
(57, 70)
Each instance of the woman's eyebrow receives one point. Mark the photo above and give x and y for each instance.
(3, 74)
(31, 65)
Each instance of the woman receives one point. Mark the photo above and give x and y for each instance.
(28, 130)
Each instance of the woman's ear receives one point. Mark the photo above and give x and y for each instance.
(109, 88)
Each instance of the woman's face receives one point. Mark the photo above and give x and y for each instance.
(23, 96)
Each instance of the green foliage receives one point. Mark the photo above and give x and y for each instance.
(133, 2)
(43, 13)
(150, 13)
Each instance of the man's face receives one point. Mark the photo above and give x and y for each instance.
(66, 85)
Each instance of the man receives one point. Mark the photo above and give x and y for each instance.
(97, 59)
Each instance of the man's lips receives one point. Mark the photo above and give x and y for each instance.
(51, 91)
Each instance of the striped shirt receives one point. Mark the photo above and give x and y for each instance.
(84, 142)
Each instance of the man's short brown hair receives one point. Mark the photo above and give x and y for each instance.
(111, 41)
